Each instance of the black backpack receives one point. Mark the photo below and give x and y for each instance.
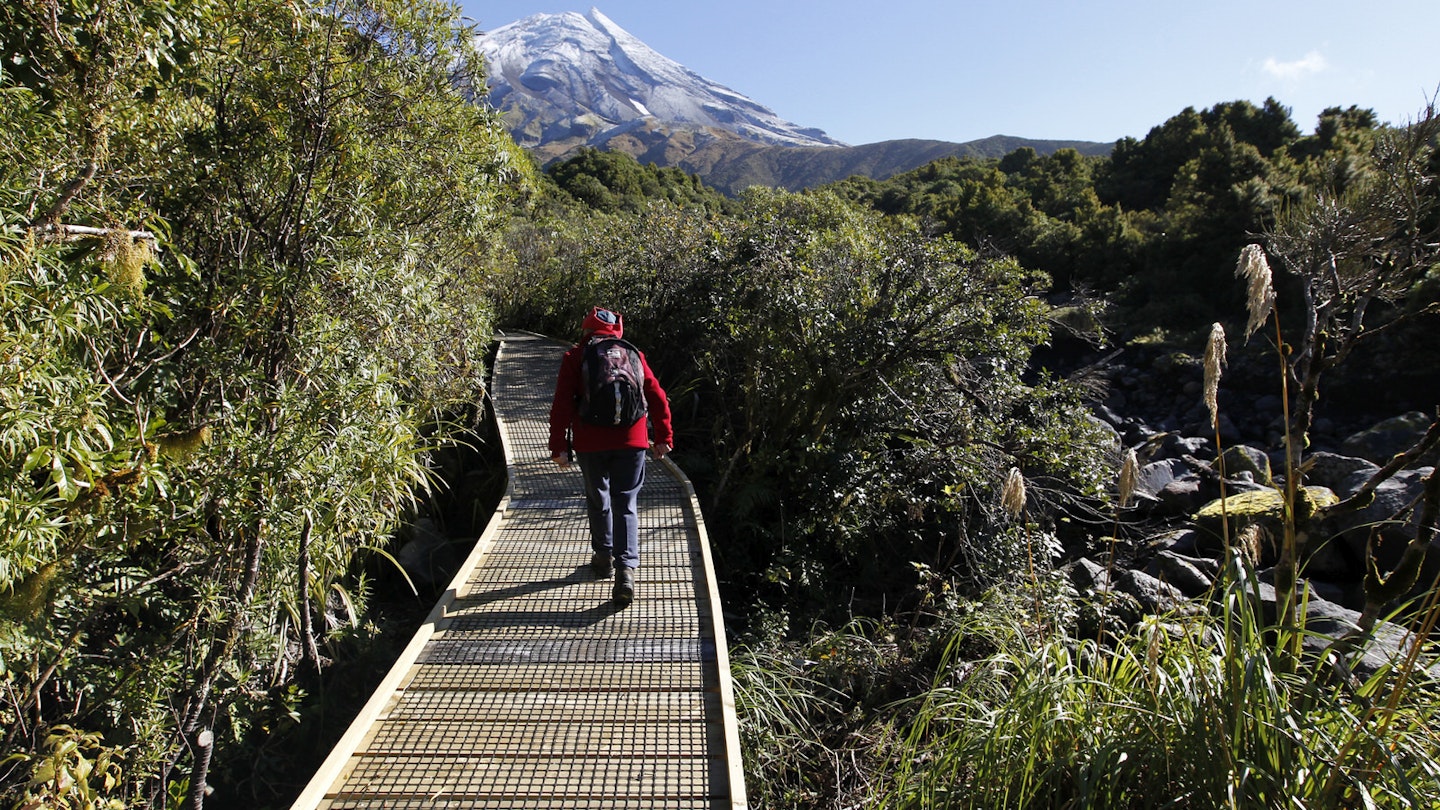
(612, 390)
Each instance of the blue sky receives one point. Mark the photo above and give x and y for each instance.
(1094, 70)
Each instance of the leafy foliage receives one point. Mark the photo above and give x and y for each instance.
(614, 181)
(860, 396)
(207, 430)
(1155, 225)
(852, 391)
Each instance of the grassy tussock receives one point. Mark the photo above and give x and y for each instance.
(1199, 712)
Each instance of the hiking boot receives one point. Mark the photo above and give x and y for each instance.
(624, 592)
(601, 564)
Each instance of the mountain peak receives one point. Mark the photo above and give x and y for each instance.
(570, 79)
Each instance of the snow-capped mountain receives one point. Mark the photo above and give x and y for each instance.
(571, 79)
(564, 81)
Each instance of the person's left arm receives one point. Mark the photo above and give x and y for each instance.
(662, 433)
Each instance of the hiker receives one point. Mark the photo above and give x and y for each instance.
(607, 408)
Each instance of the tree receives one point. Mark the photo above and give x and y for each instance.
(1360, 243)
(205, 439)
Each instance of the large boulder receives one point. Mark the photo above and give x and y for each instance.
(1181, 497)
(1153, 594)
(1241, 459)
(1177, 445)
(1337, 471)
(1168, 487)
(1087, 576)
(1329, 626)
(1264, 507)
(1385, 439)
(1185, 542)
(1156, 475)
(1379, 520)
(1192, 576)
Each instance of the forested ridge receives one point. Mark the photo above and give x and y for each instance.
(253, 256)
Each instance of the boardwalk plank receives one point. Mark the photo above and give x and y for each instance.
(589, 676)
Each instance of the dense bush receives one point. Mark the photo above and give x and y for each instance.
(206, 429)
(615, 181)
(850, 392)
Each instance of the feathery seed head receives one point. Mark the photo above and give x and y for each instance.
(1214, 361)
(1012, 495)
(1260, 292)
(1129, 476)
(1251, 542)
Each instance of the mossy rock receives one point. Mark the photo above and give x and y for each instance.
(1240, 459)
(1079, 321)
(1264, 506)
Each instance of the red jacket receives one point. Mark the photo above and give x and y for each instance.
(588, 438)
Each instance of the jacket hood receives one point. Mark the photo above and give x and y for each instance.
(604, 322)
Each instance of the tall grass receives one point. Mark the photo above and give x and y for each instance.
(1203, 711)
(781, 712)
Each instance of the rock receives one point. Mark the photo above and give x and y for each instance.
(1334, 471)
(1229, 433)
(1180, 542)
(1333, 592)
(1105, 609)
(1331, 558)
(1196, 446)
(1156, 475)
(1153, 595)
(1263, 505)
(1268, 403)
(1180, 497)
(1087, 575)
(427, 555)
(1385, 439)
(1242, 458)
(1109, 415)
(1327, 622)
(1391, 497)
(1389, 643)
(1185, 574)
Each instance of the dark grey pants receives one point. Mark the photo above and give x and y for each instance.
(612, 489)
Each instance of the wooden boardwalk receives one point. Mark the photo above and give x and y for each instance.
(526, 687)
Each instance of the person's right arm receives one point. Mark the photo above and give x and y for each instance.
(562, 407)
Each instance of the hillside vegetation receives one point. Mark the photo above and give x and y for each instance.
(731, 163)
(884, 393)
(253, 255)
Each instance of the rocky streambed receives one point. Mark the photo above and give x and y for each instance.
(1173, 521)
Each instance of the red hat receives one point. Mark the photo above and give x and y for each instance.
(603, 321)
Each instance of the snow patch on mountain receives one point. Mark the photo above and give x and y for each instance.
(555, 74)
